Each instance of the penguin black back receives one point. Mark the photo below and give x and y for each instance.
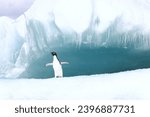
(55, 54)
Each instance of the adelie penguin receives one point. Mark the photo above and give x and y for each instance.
(57, 65)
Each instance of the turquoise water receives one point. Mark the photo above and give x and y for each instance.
(88, 61)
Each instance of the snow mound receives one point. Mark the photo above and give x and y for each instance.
(124, 85)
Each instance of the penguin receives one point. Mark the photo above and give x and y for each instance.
(57, 65)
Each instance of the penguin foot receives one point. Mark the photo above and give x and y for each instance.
(58, 76)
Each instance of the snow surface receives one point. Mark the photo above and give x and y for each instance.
(124, 85)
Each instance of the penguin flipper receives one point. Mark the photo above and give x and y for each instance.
(49, 64)
(64, 62)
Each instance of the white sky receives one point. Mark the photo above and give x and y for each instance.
(14, 8)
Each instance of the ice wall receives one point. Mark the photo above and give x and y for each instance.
(50, 24)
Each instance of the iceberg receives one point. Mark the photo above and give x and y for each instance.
(68, 26)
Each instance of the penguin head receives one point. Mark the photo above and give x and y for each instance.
(54, 53)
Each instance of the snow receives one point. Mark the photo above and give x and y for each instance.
(77, 14)
(124, 85)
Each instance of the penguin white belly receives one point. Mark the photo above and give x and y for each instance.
(57, 69)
